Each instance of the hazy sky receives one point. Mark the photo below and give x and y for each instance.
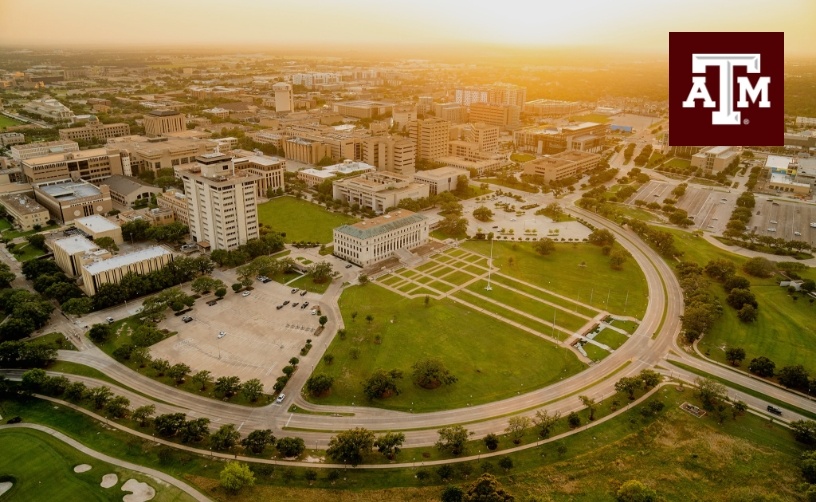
(613, 24)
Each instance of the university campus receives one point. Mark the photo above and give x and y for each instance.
(445, 256)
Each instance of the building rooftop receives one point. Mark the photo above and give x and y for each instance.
(96, 223)
(126, 259)
(63, 156)
(381, 224)
(75, 244)
(69, 190)
(441, 172)
(784, 179)
(163, 113)
(778, 162)
(21, 204)
(125, 184)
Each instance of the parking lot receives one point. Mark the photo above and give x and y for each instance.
(779, 218)
(710, 208)
(259, 340)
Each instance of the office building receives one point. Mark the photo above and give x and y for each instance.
(483, 137)
(562, 165)
(140, 153)
(551, 108)
(431, 136)
(113, 270)
(95, 131)
(306, 151)
(49, 108)
(402, 114)
(314, 80)
(494, 94)
(585, 136)
(480, 164)
(714, 159)
(442, 179)
(176, 202)
(24, 212)
(11, 138)
(159, 122)
(268, 170)
(71, 253)
(378, 191)
(425, 105)
(316, 176)
(284, 97)
(27, 151)
(454, 113)
(97, 226)
(89, 165)
(377, 239)
(396, 155)
(363, 109)
(129, 192)
(504, 116)
(68, 200)
(222, 203)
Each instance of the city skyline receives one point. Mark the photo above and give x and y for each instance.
(628, 26)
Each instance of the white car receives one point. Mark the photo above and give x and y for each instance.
(813, 225)
(222, 334)
(797, 234)
(280, 398)
(245, 294)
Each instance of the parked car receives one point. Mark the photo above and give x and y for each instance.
(280, 398)
(286, 302)
(279, 307)
(349, 265)
(109, 319)
(295, 304)
(774, 410)
(212, 302)
(303, 293)
(245, 294)
(222, 334)
(295, 290)
(186, 318)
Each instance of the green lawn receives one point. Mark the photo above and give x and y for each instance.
(524, 187)
(568, 305)
(55, 339)
(4, 224)
(467, 342)
(29, 252)
(8, 122)
(560, 272)
(678, 163)
(628, 326)
(594, 352)
(542, 327)
(611, 338)
(784, 332)
(13, 233)
(301, 220)
(306, 283)
(43, 470)
(522, 157)
(591, 117)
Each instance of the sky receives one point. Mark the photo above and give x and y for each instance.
(614, 25)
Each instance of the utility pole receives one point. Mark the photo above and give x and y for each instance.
(489, 267)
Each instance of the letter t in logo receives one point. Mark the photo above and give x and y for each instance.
(725, 114)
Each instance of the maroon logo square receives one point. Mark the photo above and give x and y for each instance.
(726, 89)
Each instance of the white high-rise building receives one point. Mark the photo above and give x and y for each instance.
(284, 100)
(222, 204)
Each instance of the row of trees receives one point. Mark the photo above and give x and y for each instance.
(427, 373)
(141, 230)
(24, 312)
(268, 243)
(737, 288)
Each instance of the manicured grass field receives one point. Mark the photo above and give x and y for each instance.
(628, 326)
(29, 252)
(522, 157)
(568, 305)
(594, 352)
(306, 283)
(678, 162)
(524, 187)
(8, 122)
(491, 359)
(561, 273)
(43, 468)
(482, 303)
(784, 332)
(611, 338)
(301, 220)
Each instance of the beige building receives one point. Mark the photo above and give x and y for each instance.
(363, 109)
(562, 165)
(71, 253)
(443, 179)
(156, 217)
(715, 158)
(222, 205)
(379, 190)
(452, 112)
(306, 151)
(268, 170)
(42, 148)
(584, 136)
(128, 192)
(112, 270)
(24, 212)
(316, 176)
(377, 239)
(12, 138)
(431, 137)
(89, 165)
(284, 97)
(95, 131)
(551, 107)
(140, 153)
(67, 200)
(504, 116)
(494, 94)
(159, 122)
(97, 226)
(49, 108)
(403, 114)
(396, 155)
(176, 202)
(485, 136)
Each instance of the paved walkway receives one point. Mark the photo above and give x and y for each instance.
(189, 490)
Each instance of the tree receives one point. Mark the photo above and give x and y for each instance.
(748, 313)
(321, 272)
(736, 282)
(351, 446)
(452, 494)
(794, 377)
(290, 447)
(202, 378)
(737, 298)
(369, 318)
(323, 320)
(389, 444)
(649, 378)
(544, 246)
(77, 391)
(33, 380)
(178, 372)
(635, 491)
(590, 405)
(483, 213)
(99, 333)
(363, 279)
(617, 258)
(77, 306)
(720, 269)
(257, 440)
(205, 284)
(573, 420)
(252, 389)
(195, 431)
(487, 488)
(445, 472)
(804, 431)
(221, 292)
(6, 276)
(382, 384)
(628, 385)
(516, 427)
(762, 366)
(601, 237)
(227, 386)
(735, 355)
(452, 439)
(225, 438)
(235, 476)
(431, 373)
(759, 267)
(36, 240)
(168, 425)
(107, 243)
(320, 384)
(545, 422)
(117, 406)
(142, 414)
(506, 463)
(710, 392)
(453, 225)
(99, 396)
(491, 441)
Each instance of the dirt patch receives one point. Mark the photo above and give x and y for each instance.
(140, 492)
(109, 480)
(82, 468)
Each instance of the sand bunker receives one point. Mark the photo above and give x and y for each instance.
(5, 486)
(140, 492)
(109, 480)
(82, 468)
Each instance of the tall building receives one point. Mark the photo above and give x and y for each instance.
(312, 80)
(403, 114)
(159, 122)
(284, 99)
(485, 136)
(454, 113)
(430, 136)
(95, 131)
(222, 204)
(397, 155)
(494, 94)
(505, 116)
(380, 238)
(363, 109)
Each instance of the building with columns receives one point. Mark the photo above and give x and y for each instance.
(159, 122)
(377, 239)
